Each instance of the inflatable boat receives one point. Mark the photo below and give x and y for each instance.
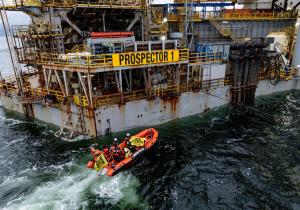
(136, 146)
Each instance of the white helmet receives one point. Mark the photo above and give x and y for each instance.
(128, 134)
(115, 139)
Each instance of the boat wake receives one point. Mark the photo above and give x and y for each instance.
(75, 188)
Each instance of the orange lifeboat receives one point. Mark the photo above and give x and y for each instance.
(140, 144)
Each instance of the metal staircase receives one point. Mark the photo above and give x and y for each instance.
(189, 24)
(69, 129)
(225, 32)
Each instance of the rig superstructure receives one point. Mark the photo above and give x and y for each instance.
(100, 66)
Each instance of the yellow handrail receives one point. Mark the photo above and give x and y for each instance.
(234, 15)
(130, 4)
(86, 60)
(206, 57)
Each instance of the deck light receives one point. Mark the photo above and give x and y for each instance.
(163, 38)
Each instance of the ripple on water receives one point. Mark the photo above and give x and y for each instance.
(245, 158)
(69, 190)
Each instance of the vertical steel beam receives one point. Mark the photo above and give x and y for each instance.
(188, 76)
(130, 79)
(126, 79)
(66, 83)
(135, 46)
(89, 78)
(103, 20)
(117, 81)
(46, 80)
(296, 56)
(60, 83)
(84, 87)
(120, 81)
(121, 86)
(49, 77)
(145, 78)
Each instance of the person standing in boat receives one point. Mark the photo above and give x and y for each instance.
(127, 138)
(114, 146)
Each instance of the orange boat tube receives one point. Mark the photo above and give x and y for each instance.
(105, 163)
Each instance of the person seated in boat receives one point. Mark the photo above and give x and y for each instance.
(127, 152)
(121, 154)
(95, 152)
(116, 156)
(105, 150)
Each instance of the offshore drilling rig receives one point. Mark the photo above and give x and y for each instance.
(100, 66)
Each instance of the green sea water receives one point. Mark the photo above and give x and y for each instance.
(229, 158)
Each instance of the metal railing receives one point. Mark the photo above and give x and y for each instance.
(118, 98)
(206, 57)
(164, 92)
(36, 31)
(131, 4)
(76, 60)
(234, 15)
(283, 75)
(28, 55)
(88, 61)
(39, 93)
(25, 74)
(8, 88)
(83, 59)
(80, 48)
(80, 101)
(256, 15)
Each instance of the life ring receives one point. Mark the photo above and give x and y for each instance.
(50, 99)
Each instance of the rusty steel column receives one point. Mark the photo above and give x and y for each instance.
(60, 83)
(89, 80)
(84, 88)
(46, 80)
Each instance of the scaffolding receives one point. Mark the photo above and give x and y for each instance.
(74, 51)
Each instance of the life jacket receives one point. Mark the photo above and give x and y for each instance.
(116, 154)
(106, 151)
(122, 153)
(128, 153)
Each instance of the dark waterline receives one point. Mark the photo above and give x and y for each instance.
(242, 158)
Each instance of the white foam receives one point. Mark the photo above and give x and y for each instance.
(13, 121)
(69, 191)
(15, 141)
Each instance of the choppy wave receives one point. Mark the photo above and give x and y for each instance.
(229, 159)
(69, 190)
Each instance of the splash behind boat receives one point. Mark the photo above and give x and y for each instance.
(106, 164)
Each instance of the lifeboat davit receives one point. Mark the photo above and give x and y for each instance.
(105, 164)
